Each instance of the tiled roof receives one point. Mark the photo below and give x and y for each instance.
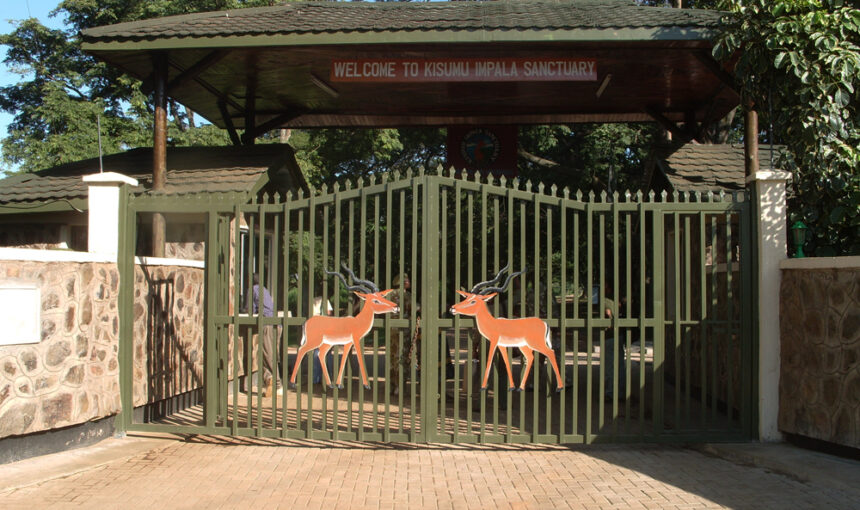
(189, 169)
(363, 17)
(716, 167)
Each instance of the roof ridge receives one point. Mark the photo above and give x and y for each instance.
(310, 17)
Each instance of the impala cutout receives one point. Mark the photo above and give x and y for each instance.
(528, 334)
(324, 332)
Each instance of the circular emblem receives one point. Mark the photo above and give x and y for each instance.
(480, 147)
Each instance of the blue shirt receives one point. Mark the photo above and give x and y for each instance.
(268, 304)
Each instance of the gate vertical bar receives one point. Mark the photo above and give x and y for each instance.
(430, 305)
(659, 292)
(749, 311)
(210, 348)
(589, 330)
(125, 267)
(236, 272)
(285, 338)
(335, 290)
(390, 356)
(443, 276)
(414, 323)
(261, 327)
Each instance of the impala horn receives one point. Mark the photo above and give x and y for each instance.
(478, 286)
(504, 287)
(365, 286)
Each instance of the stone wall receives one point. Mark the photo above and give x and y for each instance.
(185, 241)
(168, 332)
(72, 375)
(819, 386)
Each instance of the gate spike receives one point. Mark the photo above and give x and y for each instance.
(348, 184)
(579, 195)
(565, 192)
(335, 187)
(591, 196)
(709, 196)
(528, 184)
(676, 196)
(553, 190)
(276, 197)
(266, 197)
(421, 171)
(515, 183)
(451, 172)
(663, 196)
(628, 196)
(639, 196)
(603, 196)
(503, 181)
(722, 195)
(651, 196)
(615, 196)
(541, 188)
(395, 174)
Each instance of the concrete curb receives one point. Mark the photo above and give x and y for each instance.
(798, 463)
(62, 464)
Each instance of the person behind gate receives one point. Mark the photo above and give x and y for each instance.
(268, 336)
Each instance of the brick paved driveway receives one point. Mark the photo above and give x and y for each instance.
(211, 473)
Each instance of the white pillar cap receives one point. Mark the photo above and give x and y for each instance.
(110, 178)
(769, 175)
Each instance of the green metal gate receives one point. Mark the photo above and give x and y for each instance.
(663, 282)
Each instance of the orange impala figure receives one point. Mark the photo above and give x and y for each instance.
(529, 334)
(324, 332)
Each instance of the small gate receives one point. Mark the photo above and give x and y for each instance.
(648, 301)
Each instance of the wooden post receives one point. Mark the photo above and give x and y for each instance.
(751, 141)
(159, 148)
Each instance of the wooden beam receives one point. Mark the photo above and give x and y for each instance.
(195, 70)
(682, 135)
(716, 69)
(159, 147)
(269, 125)
(228, 122)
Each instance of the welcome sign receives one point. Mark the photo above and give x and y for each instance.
(463, 69)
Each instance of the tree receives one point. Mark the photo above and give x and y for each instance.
(62, 90)
(800, 60)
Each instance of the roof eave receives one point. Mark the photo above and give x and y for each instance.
(52, 205)
(654, 34)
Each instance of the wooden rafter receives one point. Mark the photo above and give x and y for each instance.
(682, 135)
(714, 67)
(269, 125)
(194, 71)
(228, 122)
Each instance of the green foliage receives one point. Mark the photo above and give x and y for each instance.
(586, 157)
(330, 155)
(62, 90)
(801, 59)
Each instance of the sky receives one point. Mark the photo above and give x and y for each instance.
(10, 11)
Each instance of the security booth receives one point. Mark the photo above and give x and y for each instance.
(497, 268)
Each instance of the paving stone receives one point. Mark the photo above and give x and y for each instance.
(205, 472)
